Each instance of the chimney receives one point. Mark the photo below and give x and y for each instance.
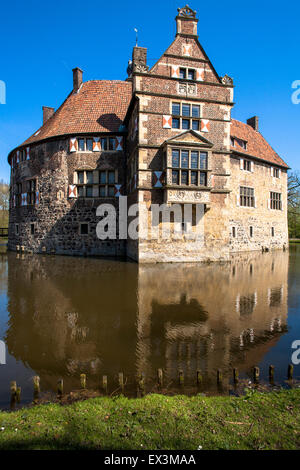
(186, 21)
(139, 59)
(47, 113)
(77, 79)
(253, 122)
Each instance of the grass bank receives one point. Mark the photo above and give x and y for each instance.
(254, 421)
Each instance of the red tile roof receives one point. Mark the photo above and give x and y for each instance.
(257, 146)
(98, 106)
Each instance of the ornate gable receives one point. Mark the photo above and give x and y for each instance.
(189, 137)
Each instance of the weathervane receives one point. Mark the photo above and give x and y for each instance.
(136, 37)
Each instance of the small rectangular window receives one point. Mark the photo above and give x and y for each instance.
(185, 124)
(233, 232)
(175, 177)
(251, 231)
(184, 159)
(17, 229)
(104, 143)
(89, 177)
(203, 160)
(194, 178)
(184, 177)
(112, 143)
(273, 231)
(176, 109)
(247, 165)
(194, 159)
(81, 146)
(195, 111)
(111, 191)
(102, 177)
(80, 176)
(102, 191)
(89, 191)
(111, 177)
(32, 229)
(89, 145)
(186, 110)
(195, 125)
(80, 191)
(175, 158)
(191, 74)
(176, 123)
(182, 73)
(202, 179)
(84, 229)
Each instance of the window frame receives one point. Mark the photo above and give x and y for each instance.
(275, 202)
(177, 167)
(183, 117)
(99, 184)
(245, 198)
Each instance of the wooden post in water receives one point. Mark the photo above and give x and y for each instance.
(60, 387)
(160, 378)
(256, 374)
(13, 393)
(104, 383)
(121, 381)
(290, 371)
(36, 386)
(181, 378)
(235, 376)
(199, 377)
(141, 384)
(83, 381)
(18, 394)
(271, 374)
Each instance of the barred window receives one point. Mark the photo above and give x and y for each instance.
(188, 164)
(185, 116)
(247, 198)
(275, 201)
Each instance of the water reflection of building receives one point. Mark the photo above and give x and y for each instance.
(70, 315)
(235, 314)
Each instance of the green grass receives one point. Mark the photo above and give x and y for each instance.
(157, 422)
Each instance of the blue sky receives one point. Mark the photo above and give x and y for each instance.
(256, 43)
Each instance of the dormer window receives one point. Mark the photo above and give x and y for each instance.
(239, 142)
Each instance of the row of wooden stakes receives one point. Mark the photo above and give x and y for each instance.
(140, 382)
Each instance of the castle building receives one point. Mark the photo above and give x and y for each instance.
(163, 136)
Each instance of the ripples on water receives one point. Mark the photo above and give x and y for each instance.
(62, 316)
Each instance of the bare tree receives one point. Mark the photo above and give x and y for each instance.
(294, 204)
(4, 203)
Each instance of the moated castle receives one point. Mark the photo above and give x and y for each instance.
(164, 135)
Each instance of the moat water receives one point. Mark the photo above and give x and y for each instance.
(63, 316)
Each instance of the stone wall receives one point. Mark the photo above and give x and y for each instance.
(57, 217)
